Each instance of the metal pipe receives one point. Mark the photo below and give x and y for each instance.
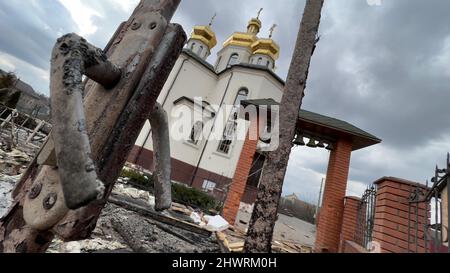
(72, 57)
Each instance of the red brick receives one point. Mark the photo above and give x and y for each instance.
(331, 214)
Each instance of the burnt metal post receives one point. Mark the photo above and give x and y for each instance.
(262, 223)
(145, 49)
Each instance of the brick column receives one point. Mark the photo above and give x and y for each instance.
(237, 188)
(391, 216)
(349, 220)
(329, 225)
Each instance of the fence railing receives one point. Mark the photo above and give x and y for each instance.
(366, 217)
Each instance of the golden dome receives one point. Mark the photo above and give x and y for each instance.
(206, 35)
(266, 47)
(245, 39)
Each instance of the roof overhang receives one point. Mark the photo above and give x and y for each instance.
(320, 126)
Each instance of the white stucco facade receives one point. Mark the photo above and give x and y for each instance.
(218, 87)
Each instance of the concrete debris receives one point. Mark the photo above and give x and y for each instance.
(96, 244)
(7, 184)
(196, 218)
(134, 193)
(216, 223)
(13, 162)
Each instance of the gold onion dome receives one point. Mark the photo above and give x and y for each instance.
(206, 35)
(246, 39)
(267, 46)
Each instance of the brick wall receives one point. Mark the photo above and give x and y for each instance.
(331, 213)
(239, 182)
(349, 246)
(391, 217)
(349, 220)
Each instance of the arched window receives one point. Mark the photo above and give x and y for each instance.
(241, 95)
(200, 50)
(233, 59)
(260, 59)
(192, 46)
(230, 127)
(268, 64)
(196, 132)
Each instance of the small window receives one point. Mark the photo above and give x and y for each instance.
(230, 128)
(260, 59)
(208, 186)
(200, 50)
(192, 46)
(233, 59)
(268, 64)
(196, 132)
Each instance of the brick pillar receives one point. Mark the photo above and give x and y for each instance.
(237, 188)
(329, 225)
(349, 220)
(391, 217)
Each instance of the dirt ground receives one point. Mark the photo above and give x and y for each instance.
(288, 229)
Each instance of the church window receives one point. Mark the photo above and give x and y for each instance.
(200, 50)
(230, 127)
(260, 61)
(196, 132)
(233, 59)
(192, 46)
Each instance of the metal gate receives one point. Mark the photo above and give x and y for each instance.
(431, 238)
(366, 217)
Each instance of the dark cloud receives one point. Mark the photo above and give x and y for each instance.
(383, 68)
(29, 29)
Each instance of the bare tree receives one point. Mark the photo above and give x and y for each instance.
(260, 233)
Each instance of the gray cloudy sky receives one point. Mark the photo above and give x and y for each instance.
(384, 68)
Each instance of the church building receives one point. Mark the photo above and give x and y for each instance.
(229, 167)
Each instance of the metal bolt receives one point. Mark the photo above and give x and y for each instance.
(153, 25)
(35, 191)
(50, 201)
(136, 26)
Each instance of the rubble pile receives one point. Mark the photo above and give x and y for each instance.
(142, 235)
(7, 184)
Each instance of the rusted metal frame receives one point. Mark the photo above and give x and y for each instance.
(143, 102)
(128, 126)
(72, 57)
(132, 50)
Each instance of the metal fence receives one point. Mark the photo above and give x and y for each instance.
(434, 201)
(366, 217)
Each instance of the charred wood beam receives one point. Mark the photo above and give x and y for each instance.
(264, 216)
(148, 212)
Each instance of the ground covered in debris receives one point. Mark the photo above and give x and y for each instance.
(122, 230)
(144, 235)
